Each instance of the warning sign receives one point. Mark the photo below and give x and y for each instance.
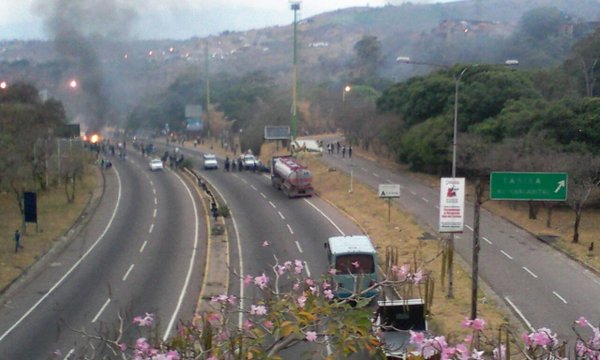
(389, 190)
(452, 205)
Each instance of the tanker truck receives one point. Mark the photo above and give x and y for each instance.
(290, 176)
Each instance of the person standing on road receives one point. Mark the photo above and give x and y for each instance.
(343, 150)
(350, 151)
(338, 147)
(17, 239)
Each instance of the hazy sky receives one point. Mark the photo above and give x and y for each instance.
(179, 19)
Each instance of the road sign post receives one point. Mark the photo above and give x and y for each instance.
(528, 186)
(389, 191)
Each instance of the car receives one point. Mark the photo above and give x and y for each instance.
(250, 162)
(210, 161)
(156, 164)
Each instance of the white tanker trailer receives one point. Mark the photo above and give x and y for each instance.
(290, 176)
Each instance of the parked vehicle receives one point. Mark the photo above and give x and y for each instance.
(210, 161)
(250, 162)
(291, 177)
(354, 259)
(394, 320)
(156, 164)
(307, 145)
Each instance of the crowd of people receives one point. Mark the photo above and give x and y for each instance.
(336, 148)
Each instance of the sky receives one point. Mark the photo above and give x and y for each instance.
(174, 19)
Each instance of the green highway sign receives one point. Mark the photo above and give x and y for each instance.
(528, 186)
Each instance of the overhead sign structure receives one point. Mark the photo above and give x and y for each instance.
(452, 205)
(528, 186)
(389, 190)
(273, 132)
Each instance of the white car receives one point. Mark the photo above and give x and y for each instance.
(210, 161)
(250, 162)
(156, 164)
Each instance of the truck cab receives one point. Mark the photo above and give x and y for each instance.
(394, 320)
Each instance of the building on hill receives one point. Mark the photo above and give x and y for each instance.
(450, 29)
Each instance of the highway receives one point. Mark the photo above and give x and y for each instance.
(540, 285)
(140, 252)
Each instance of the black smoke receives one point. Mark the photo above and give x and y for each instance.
(80, 29)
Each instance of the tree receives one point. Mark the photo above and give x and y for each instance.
(583, 63)
(368, 55)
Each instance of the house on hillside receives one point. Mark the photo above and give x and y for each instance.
(451, 29)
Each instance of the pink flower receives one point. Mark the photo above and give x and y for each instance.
(247, 325)
(309, 282)
(261, 281)
(466, 323)
(296, 286)
(172, 355)
(213, 318)
(418, 276)
(268, 324)
(232, 299)
(258, 310)
(416, 337)
(301, 301)
(356, 264)
(248, 280)
(478, 324)
(332, 271)
(298, 266)
(122, 347)
(265, 243)
(311, 335)
(582, 322)
(144, 321)
(328, 294)
(280, 269)
(325, 285)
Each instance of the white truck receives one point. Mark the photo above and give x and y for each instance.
(394, 320)
(290, 176)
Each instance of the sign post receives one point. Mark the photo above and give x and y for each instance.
(528, 186)
(389, 191)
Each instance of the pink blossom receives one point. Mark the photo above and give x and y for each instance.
(144, 321)
(296, 286)
(261, 281)
(247, 325)
(356, 264)
(332, 271)
(325, 285)
(232, 299)
(258, 310)
(328, 294)
(212, 358)
(301, 301)
(298, 266)
(466, 323)
(418, 277)
(478, 324)
(582, 322)
(122, 347)
(213, 318)
(309, 282)
(142, 345)
(476, 355)
(268, 324)
(248, 280)
(311, 335)
(265, 243)
(541, 338)
(416, 337)
(280, 269)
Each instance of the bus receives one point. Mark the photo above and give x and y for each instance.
(354, 259)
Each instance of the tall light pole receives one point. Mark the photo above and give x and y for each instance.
(346, 90)
(295, 6)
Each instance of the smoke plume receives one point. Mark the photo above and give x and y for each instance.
(78, 29)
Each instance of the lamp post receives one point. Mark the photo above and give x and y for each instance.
(295, 6)
(345, 90)
(475, 259)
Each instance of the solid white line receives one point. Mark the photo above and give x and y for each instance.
(101, 310)
(71, 352)
(128, 271)
(281, 215)
(468, 227)
(154, 215)
(298, 246)
(143, 246)
(60, 281)
(239, 248)
(273, 205)
(253, 187)
(191, 264)
(516, 309)
(263, 195)
(560, 297)
(307, 269)
(506, 254)
(426, 201)
(325, 216)
(151, 228)
(290, 229)
(530, 272)
(486, 240)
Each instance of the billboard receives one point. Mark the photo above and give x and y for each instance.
(452, 205)
(273, 132)
(193, 124)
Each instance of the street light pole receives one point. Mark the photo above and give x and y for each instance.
(295, 6)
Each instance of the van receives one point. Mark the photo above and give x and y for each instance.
(355, 260)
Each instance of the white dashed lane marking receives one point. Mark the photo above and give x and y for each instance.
(128, 271)
(530, 272)
(506, 254)
(290, 229)
(281, 215)
(273, 205)
(560, 297)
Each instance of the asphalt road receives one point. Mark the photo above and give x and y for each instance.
(137, 254)
(543, 287)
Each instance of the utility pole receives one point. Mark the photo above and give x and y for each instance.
(207, 88)
(295, 6)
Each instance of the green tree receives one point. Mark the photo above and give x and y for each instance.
(368, 55)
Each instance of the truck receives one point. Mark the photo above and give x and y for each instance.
(290, 176)
(394, 319)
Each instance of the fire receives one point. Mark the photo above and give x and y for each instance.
(94, 138)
